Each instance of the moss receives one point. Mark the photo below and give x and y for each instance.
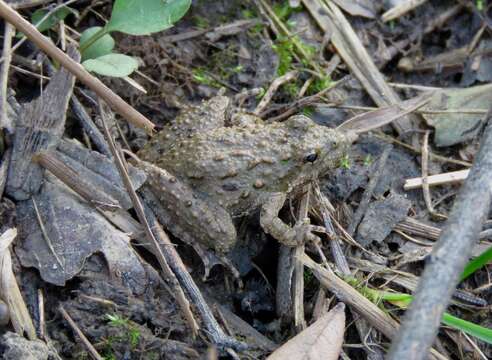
(319, 84)
(284, 48)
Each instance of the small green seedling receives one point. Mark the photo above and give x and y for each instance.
(133, 17)
(345, 162)
(132, 334)
(368, 160)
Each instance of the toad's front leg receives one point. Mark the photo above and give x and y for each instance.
(285, 234)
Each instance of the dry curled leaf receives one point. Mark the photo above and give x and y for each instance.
(322, 340)
(9, 290)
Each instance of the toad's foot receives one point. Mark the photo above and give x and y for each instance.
(287, 235)
(210, 259)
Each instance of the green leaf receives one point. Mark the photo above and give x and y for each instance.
(472, 329)
(477, 263)
(51, 20)
(115, 65)
(100, 47)
(143, 17)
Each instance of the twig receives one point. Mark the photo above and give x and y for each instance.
(433, 156)
(347, 294)
(425, 173)
(89, 126)
(9, 289)
(41, 312)
(448, 258)
(298, 284)
(273, 88)
(325, 209)
(435, 23)
(9, 32)
(214, 330)
(301, 102)
(43, 18)
(61, 31)
(414, 227)
(401, 9)
(448, 178)
(137, 204)
(116, 102)
(24, 4)
(341, 263)
(5, 122)
(45, 234)
(329, 18)
(281, 29)
(90, 348)
(99, 199)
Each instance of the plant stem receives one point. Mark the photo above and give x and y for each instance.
(99, 34)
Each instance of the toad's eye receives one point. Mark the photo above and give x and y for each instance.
(311, 157)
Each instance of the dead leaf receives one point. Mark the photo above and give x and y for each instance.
(9, 290)
(71, 232)
(322, 340)
(375, 119)
(455, 128)
(364, 8)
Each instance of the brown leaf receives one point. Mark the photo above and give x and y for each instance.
(322, 340)
(9, 289)
(375, 119)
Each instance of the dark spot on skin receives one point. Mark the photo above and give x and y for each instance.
(311, 157)
(230, 186)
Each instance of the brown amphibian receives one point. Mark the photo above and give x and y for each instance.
(209, 168)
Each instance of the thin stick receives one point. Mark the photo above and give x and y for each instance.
(346, 293)
(448, 258)
(179, 295)
(433, 156)
(273, 88)
(448, 178)
(45, 17)
(116, 102)
(42, 321)
(45, 234)
(99, 199)
(4, 74)
(298, 283)
(24, 4)
(401, 9)
(90, 348)
(425, 174)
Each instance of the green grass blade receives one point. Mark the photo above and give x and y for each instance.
(470, 328)
(477, 263)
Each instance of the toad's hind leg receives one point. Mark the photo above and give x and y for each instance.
(187, 216)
